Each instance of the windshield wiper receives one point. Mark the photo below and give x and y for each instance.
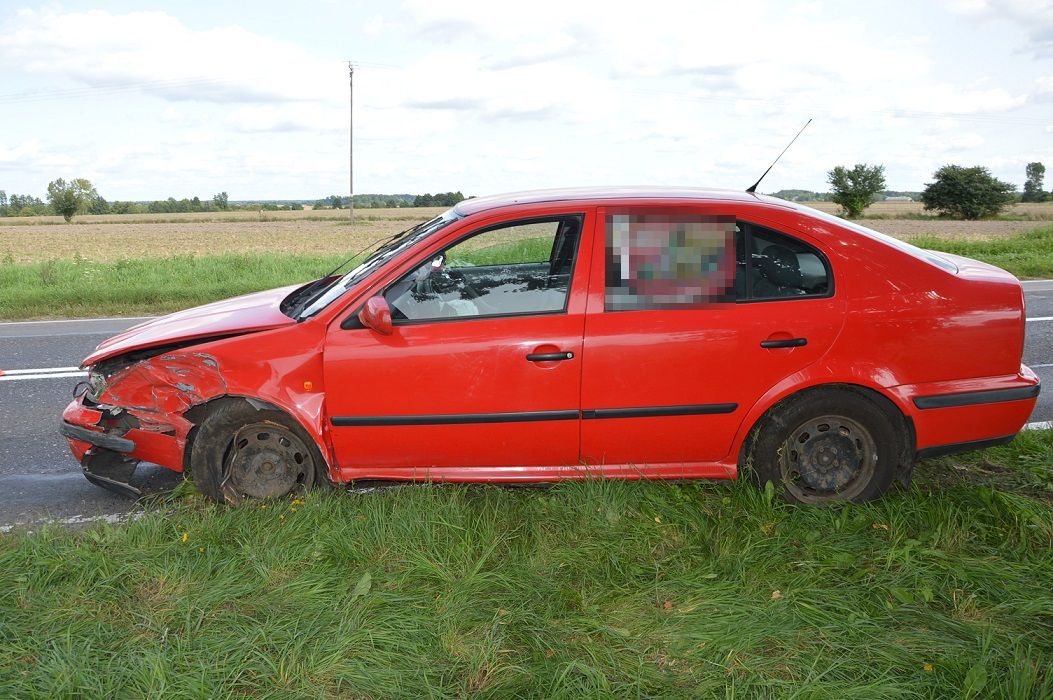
(309, 297)
(385, 245)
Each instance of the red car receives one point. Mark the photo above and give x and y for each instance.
(632, 333)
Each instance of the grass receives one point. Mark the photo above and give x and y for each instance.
(78, 288)
(74, 288)
(1026, 255)
(589, 589)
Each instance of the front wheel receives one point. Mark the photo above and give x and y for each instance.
(825, 446)
(241, 453)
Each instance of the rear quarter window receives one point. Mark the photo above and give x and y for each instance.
(778, 266)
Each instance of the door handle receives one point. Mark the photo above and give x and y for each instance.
(549, 356)
(787, 343)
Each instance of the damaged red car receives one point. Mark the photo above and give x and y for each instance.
(629, 333)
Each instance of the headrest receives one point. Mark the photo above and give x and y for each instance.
(781, 266)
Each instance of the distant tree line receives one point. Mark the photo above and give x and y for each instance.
(79, 196)
(68, 199)
(390, 201)
(956, 191)
(810, 196)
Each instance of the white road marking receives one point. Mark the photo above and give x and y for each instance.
(51, 375)
(41, 370)
(1039, 425)
(1050, 364)
(14, 375)
(1040, 318)
(111, 518)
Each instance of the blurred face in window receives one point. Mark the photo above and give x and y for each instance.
(658, 261)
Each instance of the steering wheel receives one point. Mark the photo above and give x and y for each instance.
(435, 279)
(455, 280)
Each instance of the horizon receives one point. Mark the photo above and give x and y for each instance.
(476, 97)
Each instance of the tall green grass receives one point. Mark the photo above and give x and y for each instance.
(80, 288)
(1026, 255)
(592, 589)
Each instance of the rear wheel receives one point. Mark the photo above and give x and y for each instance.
(241, 452)
(826, 446)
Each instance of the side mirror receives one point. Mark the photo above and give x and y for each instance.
(376, 314)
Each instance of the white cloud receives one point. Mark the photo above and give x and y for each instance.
(484, 96)
(157, 54)
(15, 154)
(1034, 17)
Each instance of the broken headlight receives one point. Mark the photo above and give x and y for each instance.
(96, 384)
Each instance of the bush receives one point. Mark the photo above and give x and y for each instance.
(854, 189)
(967, 193)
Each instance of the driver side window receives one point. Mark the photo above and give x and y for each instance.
(521, 267)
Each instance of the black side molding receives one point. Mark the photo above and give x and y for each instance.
(972, 398)
(956, 447)
(455, 418)
(654, 411)
(110, 442)
(534, 416)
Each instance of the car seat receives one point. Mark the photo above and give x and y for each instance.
(779, 273)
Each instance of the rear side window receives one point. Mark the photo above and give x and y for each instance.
(659, 261)
(781, 266)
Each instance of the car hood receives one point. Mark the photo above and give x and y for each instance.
(237, 316)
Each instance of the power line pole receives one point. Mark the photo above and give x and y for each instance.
(351, 138)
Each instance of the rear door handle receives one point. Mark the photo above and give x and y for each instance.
(787, 343)
(549, 356)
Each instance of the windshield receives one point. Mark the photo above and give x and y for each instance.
(381, 255)
(926, 255)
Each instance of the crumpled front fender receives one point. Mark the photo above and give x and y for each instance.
(159, 390)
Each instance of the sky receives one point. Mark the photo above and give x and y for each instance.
(152, 99)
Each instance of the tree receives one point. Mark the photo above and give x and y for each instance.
(98, 205)
(1033, 191)
(221, 201)
(854, 189)
(967, 193)
(69, 199)
(335, 201)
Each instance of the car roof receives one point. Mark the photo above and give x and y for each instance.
(696, 194)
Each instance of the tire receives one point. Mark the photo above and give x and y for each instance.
(241, 453)
(825, 446)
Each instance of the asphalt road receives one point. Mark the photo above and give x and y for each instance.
(39, 478)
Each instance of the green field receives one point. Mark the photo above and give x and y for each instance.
(77, 288)
(590, 589)
(1028, 255)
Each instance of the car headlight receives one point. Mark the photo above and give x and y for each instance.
(96, 383)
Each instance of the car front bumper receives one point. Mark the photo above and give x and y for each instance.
(108, 449)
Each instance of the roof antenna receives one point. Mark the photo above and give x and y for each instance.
(753, 188)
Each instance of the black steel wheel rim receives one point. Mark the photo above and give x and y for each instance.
(829, 458)
(266, 460)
